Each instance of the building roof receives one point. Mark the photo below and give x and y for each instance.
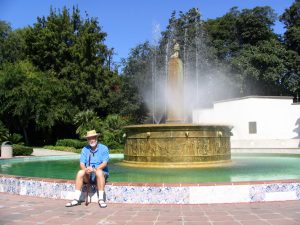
(255, 96)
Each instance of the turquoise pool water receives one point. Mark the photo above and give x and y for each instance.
(244, 167)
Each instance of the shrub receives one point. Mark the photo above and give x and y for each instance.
(22, 150)
(62, 148)
(87, 120)
(112, 131)
(78, 144)
(116, 151)
(15, 138)
(3, 132)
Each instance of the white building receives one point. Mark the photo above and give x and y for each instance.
(258, 121)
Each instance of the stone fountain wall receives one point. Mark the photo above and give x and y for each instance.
(177, 145)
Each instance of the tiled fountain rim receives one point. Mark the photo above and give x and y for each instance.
(156, 193)
(152, 184)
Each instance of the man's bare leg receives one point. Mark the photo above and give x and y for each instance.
(80, 177)
(100, 176)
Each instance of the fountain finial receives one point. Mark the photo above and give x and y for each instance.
(176, 49)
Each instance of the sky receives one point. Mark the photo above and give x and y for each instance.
(130, 22)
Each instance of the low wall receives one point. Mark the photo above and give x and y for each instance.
(159, 193)
(265, 143)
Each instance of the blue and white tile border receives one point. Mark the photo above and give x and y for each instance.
(155, 193)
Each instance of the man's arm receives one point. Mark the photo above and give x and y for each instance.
(83, 161)
(82, 166)
(101, 166)
(105, 159)
(86, 169)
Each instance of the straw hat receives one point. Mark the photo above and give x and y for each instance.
(91, 133)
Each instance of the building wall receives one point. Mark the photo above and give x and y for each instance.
(276, 118)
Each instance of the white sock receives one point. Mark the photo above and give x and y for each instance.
(101, 194)
(77, 194)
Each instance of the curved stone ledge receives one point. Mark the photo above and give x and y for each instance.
(159, 193)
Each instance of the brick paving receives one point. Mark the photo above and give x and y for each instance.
(16, 209)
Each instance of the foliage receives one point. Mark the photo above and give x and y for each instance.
(19, 150)
(72, 149)
(6, 136)
(132, 104)
(291, 20)
(236, 28)
(52, 70)
(112, 131)
(15, 138)
(30, 97)
(73, 49)
(59, 72)
(254, 25)
(12, 43)
(254, 56)
(261, 68)
(4, 133)
(62, 148)
(136, 82)
(78, 144)
(116, 151)
(85, 121)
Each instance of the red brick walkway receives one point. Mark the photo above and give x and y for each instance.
(15, 209)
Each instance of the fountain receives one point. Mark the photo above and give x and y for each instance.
(176, 143)
(249, 178)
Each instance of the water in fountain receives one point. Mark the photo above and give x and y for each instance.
(204, 81)
(195, 72)
(178, 87)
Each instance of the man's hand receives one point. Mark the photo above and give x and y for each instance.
(89, 170)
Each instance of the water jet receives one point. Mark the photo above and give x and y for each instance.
(176, 143)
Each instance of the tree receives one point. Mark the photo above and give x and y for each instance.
(291, 80)
(236, 28)
(223, 35)
(73, 50)
(250, 51)
(32, 98)
(12, 43)
(261, 69)
(136, 83)
(254, 25)
(291, 20)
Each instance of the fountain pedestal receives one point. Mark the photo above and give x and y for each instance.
(177, 145)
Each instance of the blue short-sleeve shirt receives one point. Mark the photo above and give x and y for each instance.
(96, 157)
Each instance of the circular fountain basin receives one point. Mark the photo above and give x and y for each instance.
(249, 178)
(177, 145)
(244, 167)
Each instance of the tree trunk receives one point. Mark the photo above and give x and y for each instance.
(25, 135)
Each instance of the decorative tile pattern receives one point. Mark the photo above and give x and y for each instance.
(257, 193)
(142, 194)
(157, 193)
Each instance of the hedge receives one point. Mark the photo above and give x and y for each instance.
(78, 144)
(62, 148)
(21, 150)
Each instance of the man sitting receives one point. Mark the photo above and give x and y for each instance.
(93, 163)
